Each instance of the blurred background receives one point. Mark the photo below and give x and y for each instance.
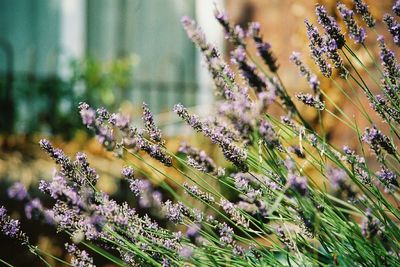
(118, 54)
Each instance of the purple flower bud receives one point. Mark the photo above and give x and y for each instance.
(269, 136)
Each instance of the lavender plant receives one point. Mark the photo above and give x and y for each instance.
(273, 211)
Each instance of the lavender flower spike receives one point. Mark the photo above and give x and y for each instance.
(387, 178)
(377, 140)
(248, 70)
(393, 27)
(197, 193)
(311, 101)
(317, 49)
(355, 32)
(396, 8)
(311, 78)
(79, 257)
(331, 48)
(330, 26)
(264, 49)
(152, 129)
(391, 69)
(362, 9)
(11, 227)
(233, 34)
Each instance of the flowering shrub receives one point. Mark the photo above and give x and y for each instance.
(276, 214)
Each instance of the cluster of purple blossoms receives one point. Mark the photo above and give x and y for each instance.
(310, 100)
(396, 8)
(269, 135)
(34, 209)
(311, 78)
(80, 258)
(362, 9)
(152, 129)
(317, 49)
(358, 165)
(387, 178)
(330, 26)
(11, 227)
(130, 136)
(391, 68)
(154, 150)
(235, 34)
(340, 183)
(176, 212)
(285, 239)
(94, 120)
(222, 75)
(200, 160)
(377, 140)
(225, 234)
(231, 151)
(248, 70)
(194, 191)
(331, 49)
(233, 212)
(355, 32)
(393, 27)
(143, 189)
(263, 48)
(59, 157)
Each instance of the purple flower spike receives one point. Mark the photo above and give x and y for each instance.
(356, 33)
(396, 8)
(311, 101)
(362, 9)
(330, 26)
(393, 27)
(152, 129)
(317, 49)
(311, 78)
(387, 178)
